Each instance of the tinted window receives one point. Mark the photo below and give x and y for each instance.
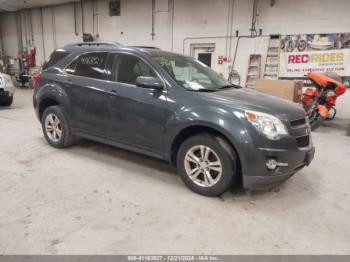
(71, 68)
(56, 56)
(88, 65)
(126, 68)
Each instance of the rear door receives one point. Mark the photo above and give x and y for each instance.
(87, 92)
(135, 115)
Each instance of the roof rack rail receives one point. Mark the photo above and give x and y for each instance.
(93, 44)
(146, 47)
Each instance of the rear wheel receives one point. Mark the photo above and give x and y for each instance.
(56, 128)
(301, 45)
(207, 164)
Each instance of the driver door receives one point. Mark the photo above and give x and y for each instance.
(135, 115)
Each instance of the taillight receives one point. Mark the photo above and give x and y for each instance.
(36, 80)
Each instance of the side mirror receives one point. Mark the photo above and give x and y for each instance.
(149, 82)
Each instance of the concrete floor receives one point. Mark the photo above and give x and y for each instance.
(95, 199)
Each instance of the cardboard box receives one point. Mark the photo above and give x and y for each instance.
(287, 89)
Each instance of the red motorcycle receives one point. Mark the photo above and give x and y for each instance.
(319, 102)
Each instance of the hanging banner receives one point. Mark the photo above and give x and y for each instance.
(301, 54)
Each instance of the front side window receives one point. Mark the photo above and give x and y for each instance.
(89, 65)
(126, 68)
(191, 74)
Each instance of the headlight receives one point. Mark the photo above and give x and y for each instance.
(267, 124)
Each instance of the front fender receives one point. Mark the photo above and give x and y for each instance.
(231, 124)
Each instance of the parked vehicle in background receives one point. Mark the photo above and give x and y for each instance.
(7, 90)
(319, 102)
(175, 108)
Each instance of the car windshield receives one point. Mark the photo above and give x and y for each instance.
(191, 73)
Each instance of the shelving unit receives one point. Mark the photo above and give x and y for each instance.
(272, 61)
(253, 72)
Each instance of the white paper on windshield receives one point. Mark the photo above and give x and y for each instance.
(193, 85)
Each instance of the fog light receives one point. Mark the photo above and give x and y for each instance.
(271, 163)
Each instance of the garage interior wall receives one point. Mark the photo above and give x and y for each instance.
(178, 25)
(191, 19)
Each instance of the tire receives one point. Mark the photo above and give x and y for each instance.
(56, 128)
(315, 120)
(219, 150)
(283, 44)
(290, 46)
(8, 101)
(301, 45)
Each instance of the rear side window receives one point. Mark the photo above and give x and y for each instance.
(89, 65)
(55, 57)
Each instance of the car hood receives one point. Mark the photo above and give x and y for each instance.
(248, 99)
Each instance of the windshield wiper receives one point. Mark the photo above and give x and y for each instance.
(229, 86)
(212, 90)
(203, 90)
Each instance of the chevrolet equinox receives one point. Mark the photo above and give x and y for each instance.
(175, 108)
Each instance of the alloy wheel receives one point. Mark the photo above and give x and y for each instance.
(53, 127)
(203, 166)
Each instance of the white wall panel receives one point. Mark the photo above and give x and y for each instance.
(305, 16)
(192, 18)
(9, 33)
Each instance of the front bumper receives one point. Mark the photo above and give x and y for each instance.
(296, 159)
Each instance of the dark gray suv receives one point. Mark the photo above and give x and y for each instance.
(175, 108)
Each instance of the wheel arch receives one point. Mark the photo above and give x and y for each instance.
(45, 103)
(51, 94)
(189, 131)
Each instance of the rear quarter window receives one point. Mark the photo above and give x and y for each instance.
(55, 57)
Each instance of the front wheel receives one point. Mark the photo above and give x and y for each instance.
(207, 164)
(315, 119)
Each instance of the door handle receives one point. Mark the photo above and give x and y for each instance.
(69, 81)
